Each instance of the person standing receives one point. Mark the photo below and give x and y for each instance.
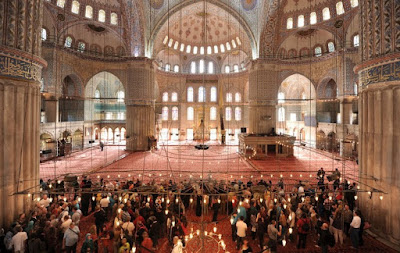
(324, 238)
(101, 146)
(71, 238)
(18, 241)
(273, 234)
(355, 229)
(241, 228)
(303, 228)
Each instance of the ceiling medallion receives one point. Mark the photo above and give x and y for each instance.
(339, 23)
(249, 5)
(61, 17)
(156, 4)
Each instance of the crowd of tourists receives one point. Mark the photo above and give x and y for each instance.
(131, 216)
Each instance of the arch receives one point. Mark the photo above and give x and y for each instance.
(77, 139)
(321, 140)
(327, 88)
(215, 3)
(331, 143)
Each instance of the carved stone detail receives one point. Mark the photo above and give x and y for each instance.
(21, 24)
(11, 23)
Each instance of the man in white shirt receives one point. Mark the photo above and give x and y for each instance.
(355, 229)
(66, 223)
(177, 245)
(241, 229)
(76, 216)
(128, 227)
(45, 202)
(18, 241)
(104, 203)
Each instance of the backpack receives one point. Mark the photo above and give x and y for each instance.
(306, 226)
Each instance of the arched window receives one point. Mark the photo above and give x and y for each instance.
(189, 94)
(354, 3)
(68, 42)
(165, 40)
(210, 68)
(201, 66)
(61, 3)
(356, 40)
(228, 114)
(167, 67)
(238, 113)
(120, 96)
(238, 97)
(81, 46)
(96, 94)
(227, 69)
(89, 12)
(228, 46)
(355, 89)
(176, 45)
(190, 113)
(228, 97)
(114, 18)
(213, 113)
(165, 97)
(195, 49)
(193, 67)
(339, 8)
(222, 47)
(289, 23)
(331, 47)
(176, 68)
(215, 49)
(281, 97)
(281, 114)
(182, 47)
(326, 14)
(213, 94)
(174, 97)
(202, 94)
(170, 42)
(75, 7)
(201, 50)
(44, 34)
(300, 21)
(188, 48)
(318, 51)
(175, 113)
(313, 18)
(209, 50)
(233, 43)
(102, 16)
(235, 68)
(164, 113)
(239, 42)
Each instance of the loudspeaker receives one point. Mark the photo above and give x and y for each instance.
(47, 151)
(91, 141)
(243, 130)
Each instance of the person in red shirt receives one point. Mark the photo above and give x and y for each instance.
(147, 244)
(303, 228)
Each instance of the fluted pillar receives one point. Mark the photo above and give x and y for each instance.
(262, 97)
(20, 74)
(380, 115)
(140, 105)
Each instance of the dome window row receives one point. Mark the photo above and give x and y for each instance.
(222, 48)
(326, 15)
(76, 8)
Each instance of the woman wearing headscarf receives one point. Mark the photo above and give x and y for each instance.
(88, 245)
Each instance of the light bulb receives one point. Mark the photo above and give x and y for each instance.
(381, 197)
(261, 200)
(58, 181)
(240, 203)
(186, 238)
(219, 201)
(272, 175)
(316, 198)
(51, 199)
(125, 200)
(302, 199)
(79, 199)
(281, 175)
(173, 223)
(160, 175)
(288, 199)
(176, 200)
(167, 201)
(133, 249)
(37, 199)
(65, 199)
(238, 210)
(108, 176)
(117, 223)
(284, 242)
(205, 201)
(232, 220)
(198, 232)
(119, 175)
(40, 189)
(301, 175)
(290, 229)
(291, 175)
(191, 200)
(330, 197)
(50, 185)
(220, 236)
(358, 187)
(355, 197)
(310, 175)
(29, 194)
(215, 229)
(205, 233)
(261, 176)
(120, 199)
(129, 175)
(233, 201)
(284, 206)
(93, 198)
(119, 210)
(166, 212)
(148, 199)
(191, 236)
(369, 193)
(98, 176)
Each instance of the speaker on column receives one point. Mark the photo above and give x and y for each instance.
(243, 130)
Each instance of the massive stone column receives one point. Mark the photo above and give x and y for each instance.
(380, 114)
(140, 104)
(263, 90)
(20, 74)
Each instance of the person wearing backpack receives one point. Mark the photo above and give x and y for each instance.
(303, 228)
